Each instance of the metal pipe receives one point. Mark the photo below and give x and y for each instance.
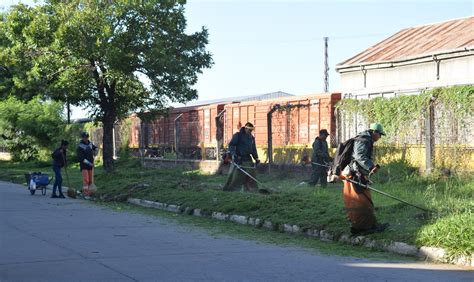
(251, 177)
(385, 194)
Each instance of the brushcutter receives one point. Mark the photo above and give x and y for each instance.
(266, 189)
(367, 186)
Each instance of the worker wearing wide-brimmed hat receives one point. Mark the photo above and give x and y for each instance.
(319, 159)
(357, 199)
(243, 150)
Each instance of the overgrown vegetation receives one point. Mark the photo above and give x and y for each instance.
(400, 114)
(449, 138)
(449, 226)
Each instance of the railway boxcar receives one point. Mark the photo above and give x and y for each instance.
(186, 130)
(295, 122)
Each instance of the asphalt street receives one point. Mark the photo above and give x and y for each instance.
(44, 239)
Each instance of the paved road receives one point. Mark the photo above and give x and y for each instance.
(44, 239)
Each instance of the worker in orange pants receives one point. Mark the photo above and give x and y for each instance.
(357, 199)
(85, 155)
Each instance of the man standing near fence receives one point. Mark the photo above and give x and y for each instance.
(357, 199)
(319, 159)
(85, 155)
(242, 148)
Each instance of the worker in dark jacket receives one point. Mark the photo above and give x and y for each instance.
(319, 159)
(357, 199)
(59, 161)
(85, 155)
(242, 149)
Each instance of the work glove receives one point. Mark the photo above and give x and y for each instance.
(374, 169)
(87, 162)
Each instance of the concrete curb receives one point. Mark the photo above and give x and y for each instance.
(427, 253)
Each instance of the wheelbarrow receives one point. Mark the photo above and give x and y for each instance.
(37, 181)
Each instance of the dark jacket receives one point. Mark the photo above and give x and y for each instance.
(243, 145)
(362, 153)
(85, 152)
(59, 159)
(320, 151)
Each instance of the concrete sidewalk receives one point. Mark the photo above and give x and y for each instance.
(44, 239)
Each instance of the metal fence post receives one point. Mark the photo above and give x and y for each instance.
(269, 134)
(142, 144)
(430, 141)
(219, 134)
(176, 137)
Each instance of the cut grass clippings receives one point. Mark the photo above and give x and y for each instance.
(450, 226)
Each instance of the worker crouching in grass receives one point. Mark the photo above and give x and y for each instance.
(358, 200)
(242, 149)
(85, 155)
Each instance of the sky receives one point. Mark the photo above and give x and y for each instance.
(263, 46)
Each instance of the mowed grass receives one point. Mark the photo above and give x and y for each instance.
(450, 225)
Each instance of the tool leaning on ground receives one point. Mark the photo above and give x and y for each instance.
(71, 192)
(367, 186)
(263, 189)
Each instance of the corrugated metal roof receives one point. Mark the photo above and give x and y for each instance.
(258, 97)
(418, 41)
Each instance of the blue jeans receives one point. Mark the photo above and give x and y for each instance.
(58, 182)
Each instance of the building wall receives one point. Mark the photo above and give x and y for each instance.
(455, 71)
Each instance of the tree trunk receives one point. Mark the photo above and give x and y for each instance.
(108, 139)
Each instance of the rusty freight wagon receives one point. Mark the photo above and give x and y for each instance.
(192, 132)
(186, 130)
(290, 123)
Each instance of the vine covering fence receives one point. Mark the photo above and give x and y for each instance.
(434, 129)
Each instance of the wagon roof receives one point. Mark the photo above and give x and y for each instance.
(296, 99)
(257, 97)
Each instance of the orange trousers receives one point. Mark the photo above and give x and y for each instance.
(87, 179)
(359, 207)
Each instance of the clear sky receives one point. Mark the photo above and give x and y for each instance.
(263, 46)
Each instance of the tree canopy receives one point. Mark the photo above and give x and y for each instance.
(29, 130)
(113, 57)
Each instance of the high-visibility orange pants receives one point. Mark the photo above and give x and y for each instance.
(87, 179)
(359, 207)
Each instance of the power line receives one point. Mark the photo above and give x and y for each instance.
(296, 40)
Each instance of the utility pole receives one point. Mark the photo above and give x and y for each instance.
(326, 67)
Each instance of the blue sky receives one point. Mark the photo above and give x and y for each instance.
(264, 46)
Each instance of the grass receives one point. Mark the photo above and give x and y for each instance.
(450, 226)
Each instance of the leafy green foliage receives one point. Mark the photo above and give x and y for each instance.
(112, 57)
(399, 114)
(30, 127)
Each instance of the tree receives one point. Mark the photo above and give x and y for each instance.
(30, 130)
(113, 57)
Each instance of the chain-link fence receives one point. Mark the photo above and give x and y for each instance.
(438, 135)
(187, 135)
